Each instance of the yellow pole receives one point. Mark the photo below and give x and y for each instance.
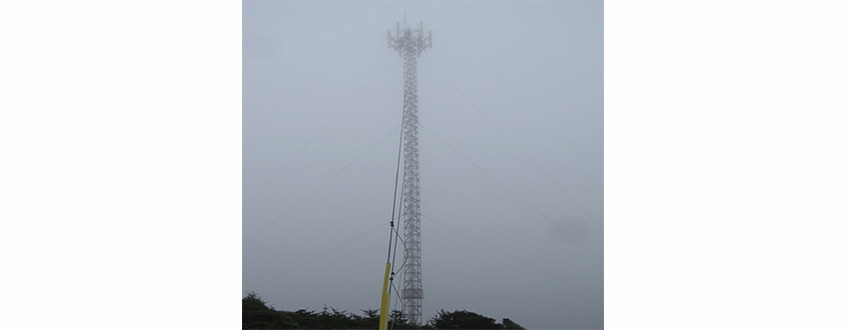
(386, 301)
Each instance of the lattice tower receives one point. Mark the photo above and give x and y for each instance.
(410, 43)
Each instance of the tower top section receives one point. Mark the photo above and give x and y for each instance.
(409, 41)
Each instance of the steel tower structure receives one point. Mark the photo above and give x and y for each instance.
(410, 43)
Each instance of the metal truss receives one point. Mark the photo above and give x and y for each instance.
(410, 43)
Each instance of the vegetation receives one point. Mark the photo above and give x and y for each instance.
(256, 314)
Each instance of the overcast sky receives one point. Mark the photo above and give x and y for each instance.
(511, 156)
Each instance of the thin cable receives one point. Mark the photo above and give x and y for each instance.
(393, 263)
(394, 269)
(399, 299)
(513, 257)
(515, 144)
(399, 238)
(320, 256)
(398, 218)
(513, 193)
(319, 132)
(394, 204)
(396, 230)
(321, 185)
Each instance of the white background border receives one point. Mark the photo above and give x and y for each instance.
(724, 164)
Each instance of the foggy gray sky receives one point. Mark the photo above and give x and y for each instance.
(535, 69)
